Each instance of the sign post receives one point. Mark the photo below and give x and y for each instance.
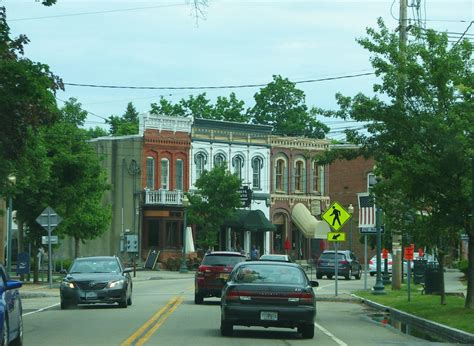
(49, 220)
(409, 253)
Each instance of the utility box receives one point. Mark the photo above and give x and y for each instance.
(131, 243)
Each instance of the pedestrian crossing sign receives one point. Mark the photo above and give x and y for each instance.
(336, 216)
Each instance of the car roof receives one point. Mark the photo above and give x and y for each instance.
(270, 263)
(274, 255)
(96, 258)
(225, 253)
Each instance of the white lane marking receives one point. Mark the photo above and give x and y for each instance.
(328, 333)
(42, 309)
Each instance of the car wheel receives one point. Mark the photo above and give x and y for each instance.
(372, 274)
(129, 300)
(123, 303)
(357, 276)
(319, 276)
(198, 299)
(329, 276)
(307, 331)
(64, 305)
(19, 337)
(348, 275)
(227, 328)
(5, 331)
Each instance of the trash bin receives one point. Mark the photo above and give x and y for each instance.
(419, 268)
(433, 278)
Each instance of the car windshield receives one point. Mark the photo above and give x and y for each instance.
(331, 256)
(269, 274)
(273, 258)
(222, 260)
(95, 266)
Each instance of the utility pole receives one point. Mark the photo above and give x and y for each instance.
(3, 225)
(396, 236)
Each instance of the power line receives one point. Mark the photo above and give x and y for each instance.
(464, 33)
(212, 87)
(96, 12)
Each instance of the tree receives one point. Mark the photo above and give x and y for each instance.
(215, 200)
(127, 124)
(420, 132)
(27, 98)
(281, 105)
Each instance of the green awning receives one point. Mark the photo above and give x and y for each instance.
(250, 220)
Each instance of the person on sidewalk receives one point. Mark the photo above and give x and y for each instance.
(254, 254)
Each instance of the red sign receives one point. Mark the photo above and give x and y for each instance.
(287, 244)
(420, 252)
(384, 253)
(409, 251)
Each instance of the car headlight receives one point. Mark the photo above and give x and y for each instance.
(116, 284)
(67, 284)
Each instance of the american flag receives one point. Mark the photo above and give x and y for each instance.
(366, 210)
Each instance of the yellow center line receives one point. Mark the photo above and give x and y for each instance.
(147, 324)
(152, 330)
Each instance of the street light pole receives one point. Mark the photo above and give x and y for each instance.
(12, 180)
(184, 268)
(351, 211)
(379, 287)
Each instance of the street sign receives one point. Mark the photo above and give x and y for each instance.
(370, 230)
(49, 218)
(336, 236)
(54, 239)
(336, 216)
(409, 252)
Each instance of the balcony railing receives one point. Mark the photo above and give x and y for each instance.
(163, 197)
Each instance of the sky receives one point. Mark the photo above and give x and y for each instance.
(161, 44)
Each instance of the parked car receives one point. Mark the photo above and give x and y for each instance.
(373, 264)
(92, 280)
(268, 294)
(214, 270)
(276, 257)
(348, 264)
(10, 310)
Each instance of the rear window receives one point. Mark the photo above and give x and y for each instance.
(269, 274)
(331, 256)
(222, 260)
(273, 258)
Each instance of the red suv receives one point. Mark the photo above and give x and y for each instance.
(213, 273)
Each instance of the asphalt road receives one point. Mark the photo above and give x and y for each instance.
(163, 313)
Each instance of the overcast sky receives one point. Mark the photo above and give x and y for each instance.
(158, 43)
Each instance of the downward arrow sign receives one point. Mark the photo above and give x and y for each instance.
(335, 236)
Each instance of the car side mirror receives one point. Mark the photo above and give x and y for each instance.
(128, 270)
(12, 284)
(314, 283)
(63, 271)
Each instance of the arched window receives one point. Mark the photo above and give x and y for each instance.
(299, 173)
(179, 174)
(257, 165)
(279, 174)
(165, 174)
(219, 160)
(315, 181)
(200, 161)
(238, 163)
(150, 173)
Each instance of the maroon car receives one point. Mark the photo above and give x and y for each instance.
(213, 273)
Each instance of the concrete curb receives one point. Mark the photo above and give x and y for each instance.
(448, 333)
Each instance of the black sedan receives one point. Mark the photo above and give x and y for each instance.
(268, 294)
(92, 280)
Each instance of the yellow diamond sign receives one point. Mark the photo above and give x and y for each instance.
(336, 216)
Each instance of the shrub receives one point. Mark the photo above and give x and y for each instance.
(462, 265)
(66, 264)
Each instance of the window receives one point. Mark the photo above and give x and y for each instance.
(150, 173)
(315, 176)
(280, 170)
(371, 181)
(200, 161)
(219, 160)
(299, 171)
(257, 165)
(165, 177)
(172, 234)
(238, 163)
(179, 175)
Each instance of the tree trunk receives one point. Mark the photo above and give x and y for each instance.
(34, 264)
(441, 256)
(77, 242)
(470, 270)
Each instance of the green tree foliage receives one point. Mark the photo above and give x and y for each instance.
(127, 124)
(283, 106)
(228, 109)
(216, 199)
(420, 132)
(27, 98)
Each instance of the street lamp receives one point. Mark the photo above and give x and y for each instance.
(351, 211)
(184, 268)
(12, 180)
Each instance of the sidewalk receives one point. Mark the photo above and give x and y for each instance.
(31, 290)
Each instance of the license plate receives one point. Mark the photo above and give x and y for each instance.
(91, 295)
(224, 276)
(268, 316)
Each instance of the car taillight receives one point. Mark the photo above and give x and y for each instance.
(202, 269)
(303, 298)
(343, 262)
(371, 262)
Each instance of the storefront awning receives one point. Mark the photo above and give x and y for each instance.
(250, 220)
(308, 224)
